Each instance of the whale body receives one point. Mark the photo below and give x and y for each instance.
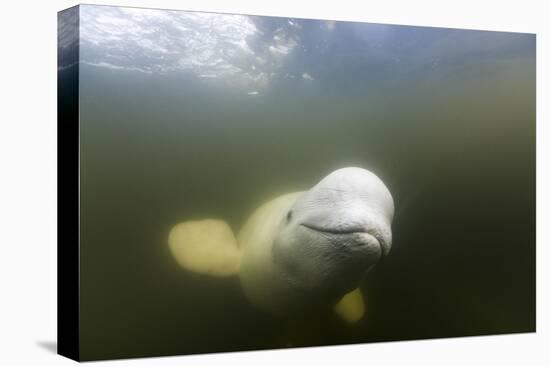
(300, 251)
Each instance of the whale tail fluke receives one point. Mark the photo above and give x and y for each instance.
(206, 247)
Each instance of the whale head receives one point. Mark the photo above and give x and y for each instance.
(334, 233)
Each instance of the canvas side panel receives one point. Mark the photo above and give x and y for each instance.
(68, 217)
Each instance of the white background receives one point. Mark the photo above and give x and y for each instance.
(28, 184)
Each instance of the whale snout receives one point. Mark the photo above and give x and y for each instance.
(352, 225)
(354, 237)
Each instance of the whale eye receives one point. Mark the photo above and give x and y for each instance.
(289, 216)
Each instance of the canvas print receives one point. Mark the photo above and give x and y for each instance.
(239, 182)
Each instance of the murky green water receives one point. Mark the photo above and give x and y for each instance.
(445, 117)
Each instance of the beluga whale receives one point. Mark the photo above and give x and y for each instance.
(300, 251)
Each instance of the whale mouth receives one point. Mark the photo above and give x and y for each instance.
(349, 230)
(352, 230)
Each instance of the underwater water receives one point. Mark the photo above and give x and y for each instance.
(190, 115)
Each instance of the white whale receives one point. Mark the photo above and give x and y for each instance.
(302, 250)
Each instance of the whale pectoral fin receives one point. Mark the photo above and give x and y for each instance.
(351, 307)
(206, 247)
